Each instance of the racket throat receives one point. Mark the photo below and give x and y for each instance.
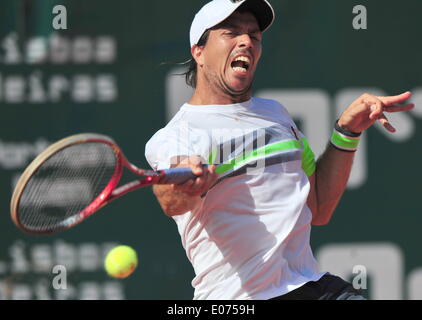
(131, 186)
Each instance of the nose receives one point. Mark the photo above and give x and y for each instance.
(245, 41)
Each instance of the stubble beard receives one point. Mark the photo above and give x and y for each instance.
(217, 83)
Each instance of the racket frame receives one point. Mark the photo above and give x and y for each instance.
(95, 205)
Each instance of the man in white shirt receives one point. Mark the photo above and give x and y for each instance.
(245, 221)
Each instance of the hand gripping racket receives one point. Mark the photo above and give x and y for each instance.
(75, 177)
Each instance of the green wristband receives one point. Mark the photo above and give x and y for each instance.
(343, 142)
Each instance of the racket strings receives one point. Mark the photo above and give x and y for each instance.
(34, 189)
(65, 184)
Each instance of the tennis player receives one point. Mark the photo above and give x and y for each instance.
(246, 225)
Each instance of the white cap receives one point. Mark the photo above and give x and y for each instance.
(217, 11)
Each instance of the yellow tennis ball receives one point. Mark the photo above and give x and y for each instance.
(121, 261)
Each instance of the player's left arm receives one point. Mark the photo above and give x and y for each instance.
(333, 168)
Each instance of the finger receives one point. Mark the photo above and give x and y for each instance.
(376, 110)
(208, 183)
(386, 124)
(194, 186)
(212, 168)
(204, 185)
(211, 178)
(199, 182)
(184, 186)
(395, 99)
(197, 169)
(399, 108)
(204, 182)
(196, 165)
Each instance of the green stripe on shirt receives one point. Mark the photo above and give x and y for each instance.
(308, 158)
(264, 151)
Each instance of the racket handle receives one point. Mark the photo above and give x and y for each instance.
(178, 175)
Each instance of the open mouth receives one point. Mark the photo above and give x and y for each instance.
(241, 64)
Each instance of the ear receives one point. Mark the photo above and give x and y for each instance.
(197, 54)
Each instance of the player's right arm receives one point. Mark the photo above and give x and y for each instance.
(178, 199)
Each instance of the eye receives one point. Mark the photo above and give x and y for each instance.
(255, 37)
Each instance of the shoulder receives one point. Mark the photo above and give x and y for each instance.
(164, 145)
(271, 106)
(164, 136)
(161, 135)
(181, 130)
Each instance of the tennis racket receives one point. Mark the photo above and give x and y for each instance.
(74, 178)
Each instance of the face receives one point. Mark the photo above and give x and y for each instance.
(228, 61)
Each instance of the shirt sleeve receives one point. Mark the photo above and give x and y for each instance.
(162, 150)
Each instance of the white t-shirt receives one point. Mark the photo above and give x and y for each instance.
(249, 237)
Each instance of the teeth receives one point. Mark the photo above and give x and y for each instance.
(239, 69)
(244, 59)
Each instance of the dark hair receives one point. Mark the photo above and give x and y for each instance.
(191, 73)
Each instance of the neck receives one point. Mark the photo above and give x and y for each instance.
(210, 95)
